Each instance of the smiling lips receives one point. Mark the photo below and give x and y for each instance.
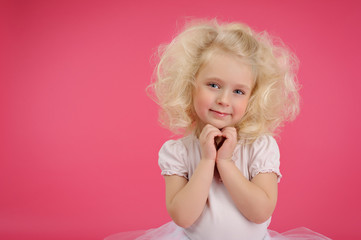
(220, 114)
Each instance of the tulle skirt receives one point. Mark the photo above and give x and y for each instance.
(170, 231)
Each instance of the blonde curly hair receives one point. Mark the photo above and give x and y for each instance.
(274, 98)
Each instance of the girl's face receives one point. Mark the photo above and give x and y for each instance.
(223, 87)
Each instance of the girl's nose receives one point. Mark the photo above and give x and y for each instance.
(223, 98)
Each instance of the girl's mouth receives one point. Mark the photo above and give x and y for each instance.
(221, 114)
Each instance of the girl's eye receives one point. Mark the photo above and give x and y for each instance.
(239, 92)
(213, 85)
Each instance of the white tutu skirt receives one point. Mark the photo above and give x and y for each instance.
(170, 231)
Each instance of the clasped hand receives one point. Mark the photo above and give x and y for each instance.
(208, 146)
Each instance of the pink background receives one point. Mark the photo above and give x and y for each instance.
(79, 137)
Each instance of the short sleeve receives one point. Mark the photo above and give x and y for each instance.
(171, 159)
(265, 157)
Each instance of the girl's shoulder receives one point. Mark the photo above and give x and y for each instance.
(265, 142)
(175, 155)
(181, 145)
(261, 156)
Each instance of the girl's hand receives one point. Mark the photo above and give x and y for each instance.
(206, 140)
(226, 150)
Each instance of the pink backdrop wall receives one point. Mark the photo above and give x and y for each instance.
(79, 137)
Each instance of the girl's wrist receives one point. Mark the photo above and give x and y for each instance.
(224, 163)
(207, 164)
(208, 160)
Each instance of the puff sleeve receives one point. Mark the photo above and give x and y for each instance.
(172, 157)
(265, 157)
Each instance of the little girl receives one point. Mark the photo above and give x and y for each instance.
(228, 89)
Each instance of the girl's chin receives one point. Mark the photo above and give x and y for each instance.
(220, 126)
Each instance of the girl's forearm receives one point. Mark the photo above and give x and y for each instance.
(251, 200)
(188, 204)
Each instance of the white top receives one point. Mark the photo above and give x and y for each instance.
(220, 218)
